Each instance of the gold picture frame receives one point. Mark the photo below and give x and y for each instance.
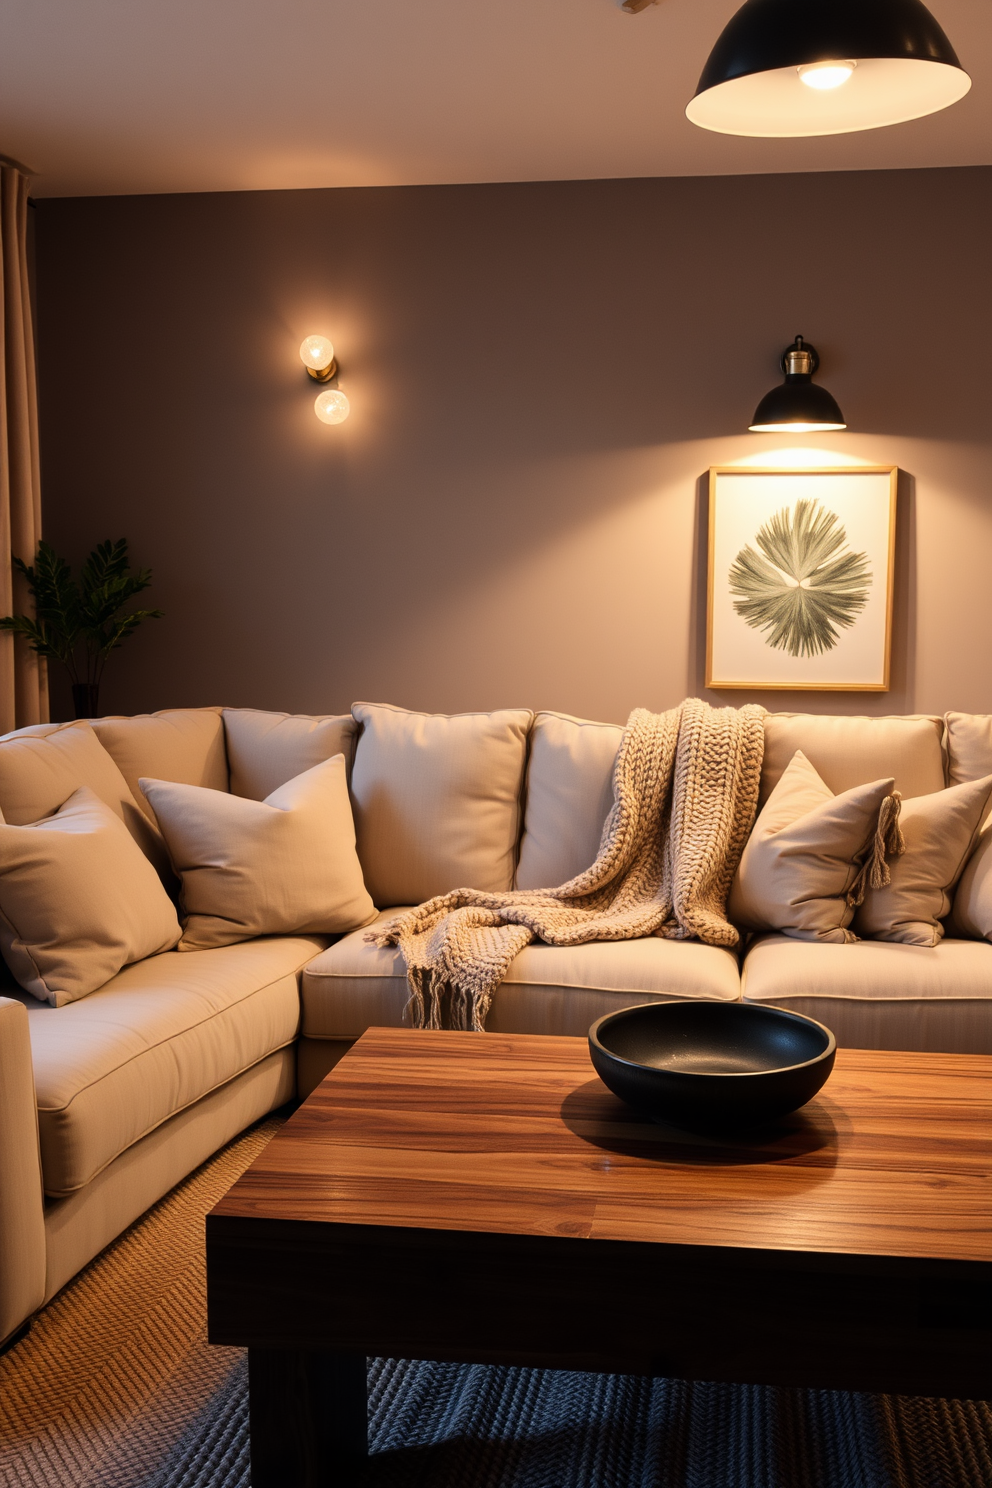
(800, 577)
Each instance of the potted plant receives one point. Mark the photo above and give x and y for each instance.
(79, 624)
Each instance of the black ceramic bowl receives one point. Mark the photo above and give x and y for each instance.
(711, 1066)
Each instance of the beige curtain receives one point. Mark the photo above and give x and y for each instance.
(23, 676)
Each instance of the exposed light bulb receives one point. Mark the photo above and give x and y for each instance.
(316, 352)
(824, 75)
(331, 407)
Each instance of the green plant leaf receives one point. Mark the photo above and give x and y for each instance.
(801, 589)
(88, 615)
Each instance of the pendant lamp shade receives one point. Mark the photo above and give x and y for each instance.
(769, 75)
(799, 406)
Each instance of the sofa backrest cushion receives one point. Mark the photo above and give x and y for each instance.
(568, 797)
(969, 757)
(78, 900)
(40, 770)
(185, 745)
(971, 914)
(264, 750)
(848, 750)
(969, 746)
(32, 731)
(437, 800)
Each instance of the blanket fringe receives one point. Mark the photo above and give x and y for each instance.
(886, 841)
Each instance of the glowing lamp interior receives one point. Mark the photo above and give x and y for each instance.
(824, 75)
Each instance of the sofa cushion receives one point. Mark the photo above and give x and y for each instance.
(568, 797)
(972, 910)
(939, 832)
(78, 900)
(286, 865)
(878, 995)
(969, 746)
(35, 730)
(181, 744)
(40, 769)
(850, 750)
(799, 864)
(548, 989)
(264, 750)
(437, 800)
(155, 1039)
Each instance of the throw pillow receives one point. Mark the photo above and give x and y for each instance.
(939, 831)
(265, 750)
(437, 800)
(283, 866)
(78, 900)
(804, 855)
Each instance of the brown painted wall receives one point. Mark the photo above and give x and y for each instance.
(539, 375)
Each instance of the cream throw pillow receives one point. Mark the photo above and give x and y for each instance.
(283, 866)
(939, 831)
(804, 855)
(78, 900)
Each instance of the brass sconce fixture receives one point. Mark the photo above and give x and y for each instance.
(317, 355)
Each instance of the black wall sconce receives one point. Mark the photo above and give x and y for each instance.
(799, 406)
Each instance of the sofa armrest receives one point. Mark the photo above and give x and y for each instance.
(22, 1205)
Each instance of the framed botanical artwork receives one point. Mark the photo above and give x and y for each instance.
(800, 577)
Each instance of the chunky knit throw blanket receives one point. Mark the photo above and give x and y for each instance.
(685, 787)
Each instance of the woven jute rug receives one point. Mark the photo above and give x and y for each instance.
(116, 1386)
(117, 1366)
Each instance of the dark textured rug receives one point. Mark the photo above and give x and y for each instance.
(466, 1426)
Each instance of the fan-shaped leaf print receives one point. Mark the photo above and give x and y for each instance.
(804, 584)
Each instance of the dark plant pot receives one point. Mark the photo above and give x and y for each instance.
(85, 699)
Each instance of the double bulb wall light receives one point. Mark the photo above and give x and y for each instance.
(799, 406)
(805, 67)
(317, 355)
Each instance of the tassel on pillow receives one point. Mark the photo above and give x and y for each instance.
(886, 841)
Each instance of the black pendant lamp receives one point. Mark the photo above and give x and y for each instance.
(804, 67)
(798, 406)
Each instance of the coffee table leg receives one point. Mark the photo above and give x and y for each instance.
(308, 1418)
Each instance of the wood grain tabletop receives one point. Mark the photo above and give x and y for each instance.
(515, 1134)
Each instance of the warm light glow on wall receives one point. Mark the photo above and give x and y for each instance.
(790, 456)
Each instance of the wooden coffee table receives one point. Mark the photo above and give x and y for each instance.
(484, 1198)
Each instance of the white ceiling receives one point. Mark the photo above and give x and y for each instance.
(115, 96)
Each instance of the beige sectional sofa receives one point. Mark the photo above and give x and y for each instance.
(107, 1102)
